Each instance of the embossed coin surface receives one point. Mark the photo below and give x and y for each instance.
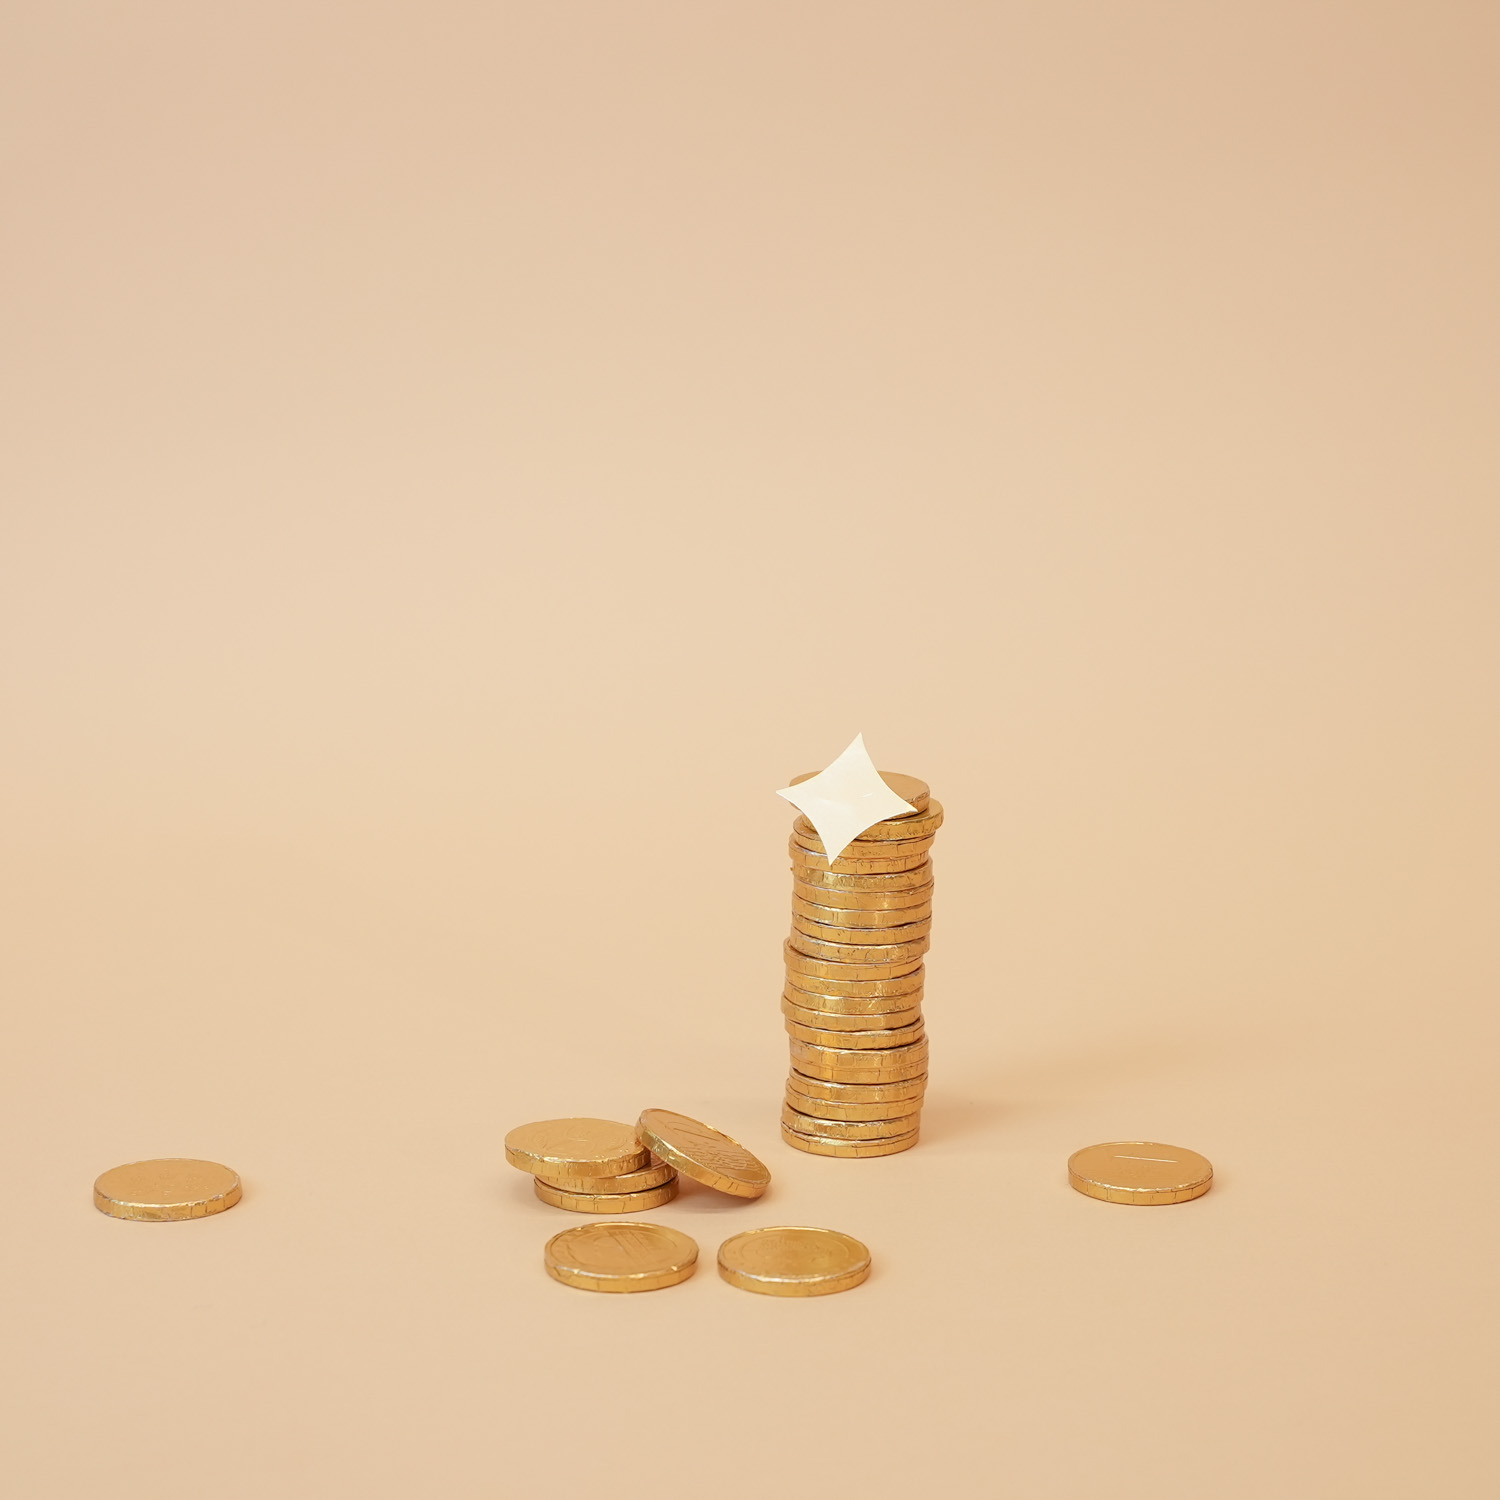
(1143, 1172)
(620, 1257)
(174, 1187)
(793, 1262)
(606, 1203)
(703, 1153)
(578, 1147)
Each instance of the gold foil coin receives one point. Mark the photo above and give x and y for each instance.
(908, 826)
(845, 1130)
(656, 1174)
(910, 789)
(836, 1020)
(858, 1093)
(798, 962)
(892, 1111)
(817, 1146)
(888, 883)
(892, 860)
(858, 1065)
(575, 1148)
(1143, 1172)
(836, 933)
(703, 1153)
(172, 1187)
(843, 917)
(834, 899)
(836, 986)
(858, 1041)
(605, 1203)
(793, 1262)
(620, 1257)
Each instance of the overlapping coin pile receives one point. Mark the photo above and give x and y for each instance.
(854, 977)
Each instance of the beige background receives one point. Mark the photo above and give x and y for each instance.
(461, 458)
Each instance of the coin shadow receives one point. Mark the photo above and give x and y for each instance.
(694, 1198)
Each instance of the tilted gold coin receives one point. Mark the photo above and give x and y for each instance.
(910, 789)
(876, 884)
(793, 1262)
(898, 862)
(620, 1257)
(869, 1040)
(837, 987)
(846, 1130)
(860, 916)
(859, 937)
(913, 898)
(829, 1020)
(171, 1187)
(857, 953)
(861, 1010)
(655, 1173)
(703, 1153)
(820, 1147)
(798, 962)
(575, 1148)
(1143, 1172)
(855, 1065)
(605, 1203)
(836, 1092)
(889, 830)
(826, 1109)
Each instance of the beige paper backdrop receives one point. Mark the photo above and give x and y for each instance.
(461, 458)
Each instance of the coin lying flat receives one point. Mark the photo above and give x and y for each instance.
(910, 789)
(858, 1065)
(798, 962)
(575, 1148)
(919, 825)
(817, 1146)
(606, 1203)
(858, 1041)
(892, 860)
(857, 916)
(892, 1111)
(620, 1257)
(703, 1153)
(793, 1262)
(655, 1174)
(863, 955)
(1143, 1172)
(172, 1187)
(840, 987)
(835, 1020)
(837, 932)
(866, 1011)
(877, 883)
(839, 1092)
(846, 1130)
(834, 899)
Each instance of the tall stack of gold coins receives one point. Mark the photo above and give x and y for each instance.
(854, 975)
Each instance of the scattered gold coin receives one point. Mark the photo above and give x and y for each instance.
(910, 789)
(172, 1187)
(820, 1147)
(575, 1148)
(793, 1262)
(1140, 1172)
(703, 1153)
(846, 1130)
(620, 1257)
(605, 1203)
(834, 1020)
(654, 1174)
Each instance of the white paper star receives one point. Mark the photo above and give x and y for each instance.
(846, 799)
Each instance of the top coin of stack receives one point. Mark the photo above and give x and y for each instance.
(861, 924)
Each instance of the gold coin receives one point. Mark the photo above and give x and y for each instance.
(620, 1257)
(838, 988)
(825, 1109)
(846, 1130)
(861, 859)
(910, 789)
(861, 937)
(859, 916)
(819, 1147)
(909, 826)
(858, 953)
(798, 962)
(703, 1153)
(867, 1009)
(575, 1148)
(605, 1203)
(854, 1065)
(172, 1187)
(914, 898)
(838, 1092)
(1140, 1172)
(837, 1021)
(869, 1040)
(878, 884)
(654, 1174)
(793, 1262)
